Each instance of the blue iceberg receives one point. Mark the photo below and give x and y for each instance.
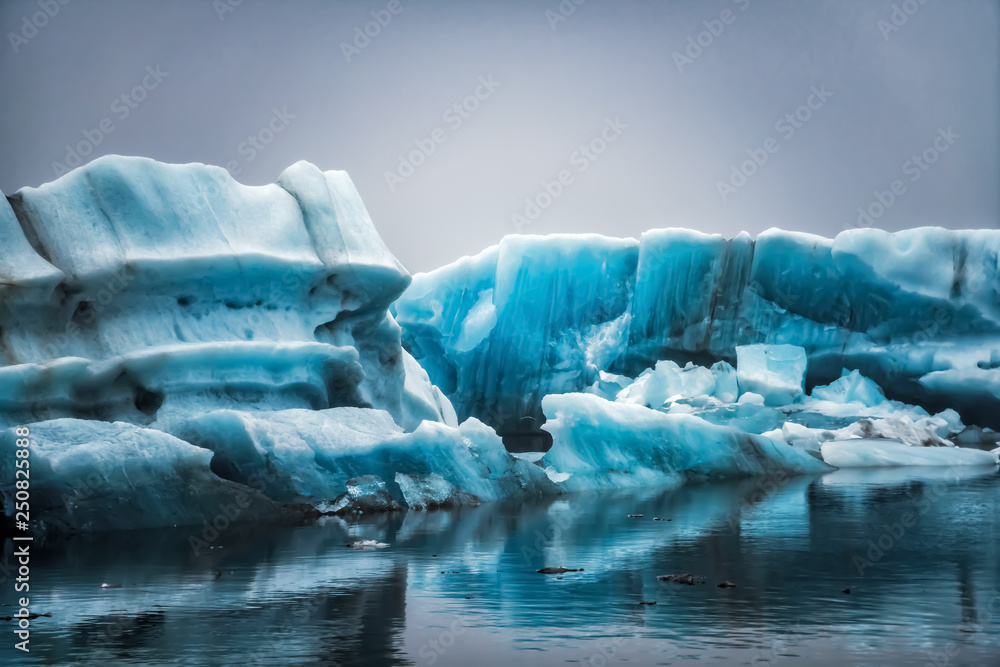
(915, 311)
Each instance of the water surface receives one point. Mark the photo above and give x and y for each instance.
(918, 550)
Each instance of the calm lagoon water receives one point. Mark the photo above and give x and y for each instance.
(918, 550)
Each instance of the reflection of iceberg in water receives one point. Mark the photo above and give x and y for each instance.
(790, 544)
(278, 590)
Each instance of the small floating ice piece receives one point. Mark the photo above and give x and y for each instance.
(880, 453)
(368, 545)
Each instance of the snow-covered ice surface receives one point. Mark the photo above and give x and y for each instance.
(172, 338)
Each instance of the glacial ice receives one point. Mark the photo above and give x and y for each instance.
(862, 453)
(605, 444)
(176, 340)
(90, 476)
(144, 292)
(915, 311)
(312, 455)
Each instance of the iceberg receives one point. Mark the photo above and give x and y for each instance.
(861, 453)
(142, 292)
(605, 444)
(174, 340)
(914, 311)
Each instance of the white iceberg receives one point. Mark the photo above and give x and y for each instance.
(881, 453)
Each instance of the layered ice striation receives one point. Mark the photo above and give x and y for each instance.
(916, 311)
(143, 292)
(140, 298)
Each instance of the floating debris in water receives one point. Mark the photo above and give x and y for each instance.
(557, 570)
(31, 616)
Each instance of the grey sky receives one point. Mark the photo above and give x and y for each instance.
(677, 134)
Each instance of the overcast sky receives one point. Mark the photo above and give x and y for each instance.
(667, 98)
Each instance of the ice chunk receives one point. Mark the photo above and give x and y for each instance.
(726, 382)
(905, 430)
(863, 453)
(804, 437)
(668, 382)
(364, 494)
(90, 476)
(427, 492)
(606, 444)
(776, 372)
(608, 385)
(851, 387)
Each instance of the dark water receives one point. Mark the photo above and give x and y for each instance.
(460, 587)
